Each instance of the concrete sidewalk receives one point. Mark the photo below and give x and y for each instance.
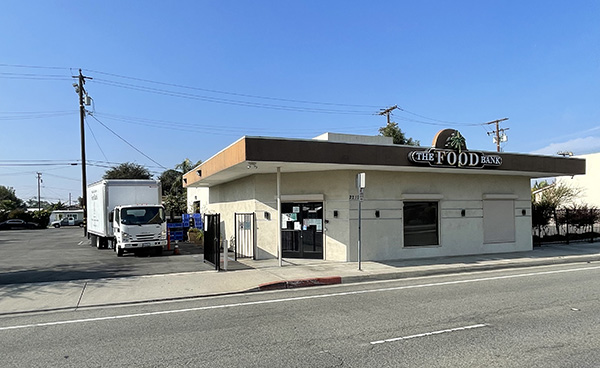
(249, 275)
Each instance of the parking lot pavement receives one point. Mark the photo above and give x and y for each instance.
(64, 254)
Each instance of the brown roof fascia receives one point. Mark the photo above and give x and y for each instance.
(282, 150)
(265, 149)
(230, 156)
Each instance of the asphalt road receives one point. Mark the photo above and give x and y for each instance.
(64, 254)
(538, 317)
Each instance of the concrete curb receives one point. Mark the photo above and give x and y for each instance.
(469, 268)
(291, 284)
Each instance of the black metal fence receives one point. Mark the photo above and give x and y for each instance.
(565, 225)
(212, 240)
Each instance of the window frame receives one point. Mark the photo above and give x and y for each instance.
(428, 202)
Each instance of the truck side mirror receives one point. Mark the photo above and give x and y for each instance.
(111, 216)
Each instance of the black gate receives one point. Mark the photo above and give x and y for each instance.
(244, 236)
(212, 237)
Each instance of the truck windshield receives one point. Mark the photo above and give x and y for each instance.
(142, 215)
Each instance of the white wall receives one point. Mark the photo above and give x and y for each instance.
(588, 182)
(197, 194)
(382, 238)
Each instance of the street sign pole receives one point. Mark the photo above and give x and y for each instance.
(359, 228)
(360, 184)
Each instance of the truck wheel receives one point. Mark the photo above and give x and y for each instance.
(94, 240)
(119, 252)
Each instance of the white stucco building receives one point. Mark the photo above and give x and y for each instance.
(588, 183)
(418, 201)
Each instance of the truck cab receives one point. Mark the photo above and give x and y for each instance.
(138, 227)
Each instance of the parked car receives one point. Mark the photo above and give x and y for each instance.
(67, 221)
(14, 224)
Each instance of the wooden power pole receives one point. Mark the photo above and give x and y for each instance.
(497, 132)
(81, 91)
(387, 112)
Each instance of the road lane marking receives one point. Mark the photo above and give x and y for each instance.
(429, 333)
(298, 298)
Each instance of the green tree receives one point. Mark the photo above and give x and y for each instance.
(554, 195)
(9, 200)
(547, 197)
(392, 130)
(57, 206)
(186, 165)
(127, 170)
(33, 203)
(170, 181)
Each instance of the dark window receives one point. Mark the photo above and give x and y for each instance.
(420, 223)
(142, 215)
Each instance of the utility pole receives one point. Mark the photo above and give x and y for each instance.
(387, 112)
(39, 180)
(497, 132)
(80, 91)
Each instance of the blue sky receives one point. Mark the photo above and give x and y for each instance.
(185, 79)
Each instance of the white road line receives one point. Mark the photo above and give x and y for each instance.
(292, 299)
(429, 334)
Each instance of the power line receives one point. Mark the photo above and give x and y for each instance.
(95, 140)
(37, 164)
(34, 66)
(232, 93)
(30, 76)
(124, 140)
(443, 122)
(33, 115)
(39, 112)
(211, 129)
(62, 177)
(229, 101)
(243, 103)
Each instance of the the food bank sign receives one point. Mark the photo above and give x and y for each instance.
(449, 158)
(453, 154)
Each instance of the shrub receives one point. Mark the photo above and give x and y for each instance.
(195, 235)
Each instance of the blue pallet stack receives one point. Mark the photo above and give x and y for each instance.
(197, 220)
(175, 231)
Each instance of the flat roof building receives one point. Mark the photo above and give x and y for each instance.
(588, 183)
(300, 196)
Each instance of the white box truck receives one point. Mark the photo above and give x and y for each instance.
(126, 215)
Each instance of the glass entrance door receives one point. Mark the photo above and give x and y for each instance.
(302, 230)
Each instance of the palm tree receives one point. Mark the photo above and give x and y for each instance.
(186, 165)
